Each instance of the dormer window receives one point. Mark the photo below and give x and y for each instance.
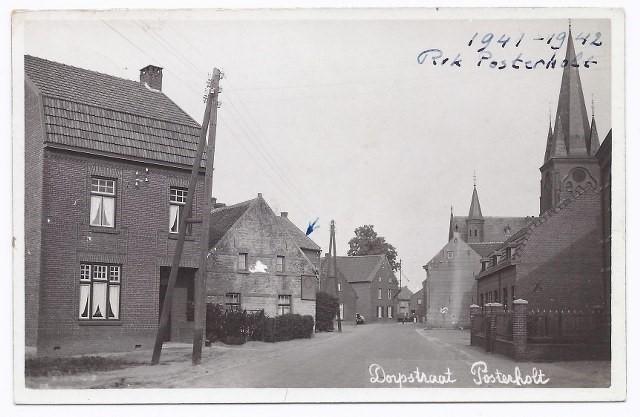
(508, 253)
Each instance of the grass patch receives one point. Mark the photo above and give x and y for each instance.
(77, 365)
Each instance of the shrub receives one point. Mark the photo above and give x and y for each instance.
(326, 310)
(288, 327)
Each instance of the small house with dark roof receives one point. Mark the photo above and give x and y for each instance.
(417, 305)
(107, 165)
(257, 263)
(366, 285)
(403, 303)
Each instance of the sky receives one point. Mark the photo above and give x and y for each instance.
(334, 118)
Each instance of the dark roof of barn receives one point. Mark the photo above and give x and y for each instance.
(302, 240)
(405, 293)
(222, 219)
(97, 112)
(357, 268)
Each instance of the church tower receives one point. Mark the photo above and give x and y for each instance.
(475, 221)
(569, 162)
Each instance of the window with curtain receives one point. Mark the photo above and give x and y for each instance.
(99, 292)
(177, 201)
(103, 199)
(284, 304)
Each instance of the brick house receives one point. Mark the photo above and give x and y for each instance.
(555, 263)
(107, 165)
(256, 261)
(367, 286)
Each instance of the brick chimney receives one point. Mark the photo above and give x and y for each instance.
(152, 76)
(284, 214)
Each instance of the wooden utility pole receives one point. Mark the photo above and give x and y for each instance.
(200, 285)
(400, 273)
(334, 264)
(163, 326)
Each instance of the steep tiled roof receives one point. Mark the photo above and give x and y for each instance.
(222, 219)
(485, 248)
(302, 240)
(356, 268)
(99, 112)
(519, 240)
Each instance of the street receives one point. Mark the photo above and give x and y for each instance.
(372, 355)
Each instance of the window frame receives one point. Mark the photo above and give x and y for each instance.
(281, 306)
(379, 312)
(379, 293)
(245, 259)
(88, 280)
(233, 306)
(180, 205)
(389, 312)
(280, 264)
(388, 293)
(103, 195)
(339, 286)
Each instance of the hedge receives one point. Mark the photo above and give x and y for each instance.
(238, 327)
(326, 310)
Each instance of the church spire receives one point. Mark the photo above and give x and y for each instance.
(594, 140)
(571, 131)
(474, 210)
(547, 153)
(451, 224)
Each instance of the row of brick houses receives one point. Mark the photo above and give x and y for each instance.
(558, 262)
(107, 165)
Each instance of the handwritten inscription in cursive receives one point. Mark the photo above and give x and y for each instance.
(379, 376)
(482, 57)
(482, 375)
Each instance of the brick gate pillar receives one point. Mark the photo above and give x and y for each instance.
(492, 309)
(519, 329)
(474, 314)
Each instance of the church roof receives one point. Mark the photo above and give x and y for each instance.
(474, 210)
(571, 134)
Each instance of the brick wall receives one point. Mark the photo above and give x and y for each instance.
(140, 242)
(33, 210)
(561, 262)
(259, 234)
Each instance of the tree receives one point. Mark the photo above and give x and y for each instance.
(367, 242)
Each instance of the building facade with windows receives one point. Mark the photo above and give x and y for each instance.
(256, 262)
(368, 286)
(107, 165)
(417, 305)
